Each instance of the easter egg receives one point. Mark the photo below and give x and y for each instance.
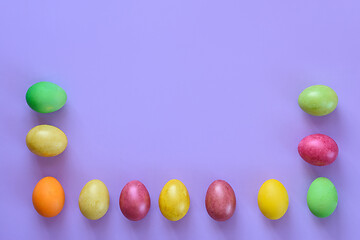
(134, 201)
(318, 149)
(220, 200)
(48, 197)
(174, 200)
(318, 100)
(46, 140)
(94, 199)
(273, 199)
(322, 197)
(45, 97)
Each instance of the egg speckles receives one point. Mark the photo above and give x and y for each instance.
(46, 140)
(94, 200)
(318, 149)
(134, 201)
(220, 200)
(174, 200)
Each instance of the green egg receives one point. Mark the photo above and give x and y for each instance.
(322, 197)
(318, 100)
(45, 97)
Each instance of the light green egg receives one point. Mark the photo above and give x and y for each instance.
(318, 100)
(322, 197)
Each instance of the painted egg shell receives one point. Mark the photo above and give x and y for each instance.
(134, 200)
(48, 197)
(174, 200)
(45, 97)
(318, 149)
(220, 200)
(322, 197)
(273, 199)
(94, 200)
(318, 100)
(46, 140)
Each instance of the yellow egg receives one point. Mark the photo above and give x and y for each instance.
(94, 199)
(174, 200)
(273, 199)
(46, 140)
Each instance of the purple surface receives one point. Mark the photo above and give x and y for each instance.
(194, 90)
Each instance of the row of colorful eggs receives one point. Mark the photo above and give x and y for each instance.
(174, 200)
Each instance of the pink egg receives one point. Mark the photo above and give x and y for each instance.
(220, 200)
(134, 201)
(318, 149)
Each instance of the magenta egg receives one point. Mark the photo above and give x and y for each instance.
(220, 200)
(134, 201)
(318, 149)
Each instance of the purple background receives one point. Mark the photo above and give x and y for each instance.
(195, 90)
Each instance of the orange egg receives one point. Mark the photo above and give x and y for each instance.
(48, 197)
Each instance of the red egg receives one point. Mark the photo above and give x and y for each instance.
(134, 201)
(220, 200)
(318, 149)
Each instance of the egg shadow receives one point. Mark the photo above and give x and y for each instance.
(100, 226)
(182, 227)
(52, 166)
(281, 227)
(228, 228)
(139, 228)
(331, 224)
(53, 225)
(333, 123)
(334, 172)
(55, 166)
(58, 117)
